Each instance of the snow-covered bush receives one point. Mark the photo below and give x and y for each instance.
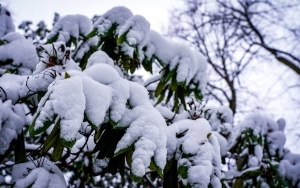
(69, 114)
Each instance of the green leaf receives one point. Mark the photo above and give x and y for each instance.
(53, 39)
(92, 34)
(170, 174)
(39, 130)
(208, 135)
(67, 75)
(51, 139)
(135, 178)
(128, 157)
(154, 167)
(238, 183)
(182, 171)
(57, 152)
(124, 150)
(159, 88)
(67, 143)
(122, 38)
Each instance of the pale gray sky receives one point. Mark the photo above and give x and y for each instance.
(155, 11)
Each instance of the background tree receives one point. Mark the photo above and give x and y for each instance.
(233, 34)
(70, 114)
(243, 39)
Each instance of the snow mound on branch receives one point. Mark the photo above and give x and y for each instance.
(116, 16)
(65, 98)
(136, 30)
(6, 22)
(102, 57)
(146, 133)
(289, 168)
(190, 65)
(10, 85)
(55, 55)
(71, 26)
(40, 173)
(197, 151)
(101, 94)
(38, 82)
(17, 54)
(12, 120)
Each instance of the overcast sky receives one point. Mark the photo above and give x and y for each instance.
(155, 11)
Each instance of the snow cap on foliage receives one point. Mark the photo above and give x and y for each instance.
(136, 30)
(190, 65)
(146, 133)
(55, 54)
(38, 82)
(71, 26)
(66, 99)
(40, 173)
(117, 15)
(12, 120)
(197, 150)
(6, 23)
(289, 168)
(10, 85)
(99, 57)
(17, 54)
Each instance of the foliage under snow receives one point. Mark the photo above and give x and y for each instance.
(86, 114)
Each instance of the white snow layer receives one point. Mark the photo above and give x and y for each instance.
(57, 55)
(100, 91)
(40, 173)
(6, 22)
(116, 16)
(146, 133)
(17, 54)
(194, 145)
(12, 120)
(71, 26)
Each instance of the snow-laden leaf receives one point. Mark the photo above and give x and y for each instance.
(145, 133)
(12, 120)
(57, 56)
(133, 36)
(64, 99)
(71, 27)
(198, 156)
(6, 22)
(18, 54)
(40, 173)
(116, 16)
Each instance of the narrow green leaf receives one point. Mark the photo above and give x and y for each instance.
(57, 152)
(238, 183)
(67, 75)
(159, 88)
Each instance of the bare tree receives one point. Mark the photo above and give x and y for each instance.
(234, 33)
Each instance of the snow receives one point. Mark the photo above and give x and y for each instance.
(99, 57)
(12, 120)
(38, 82)
(6, 22)
(148, 136)
(22, 60)
(98, 99)
(55, 55)
(117, 15)
(193, 145)
(71, 26)
(102, 73)
(40, 173)
(67, 100)
(10, 86)
(136, 30)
